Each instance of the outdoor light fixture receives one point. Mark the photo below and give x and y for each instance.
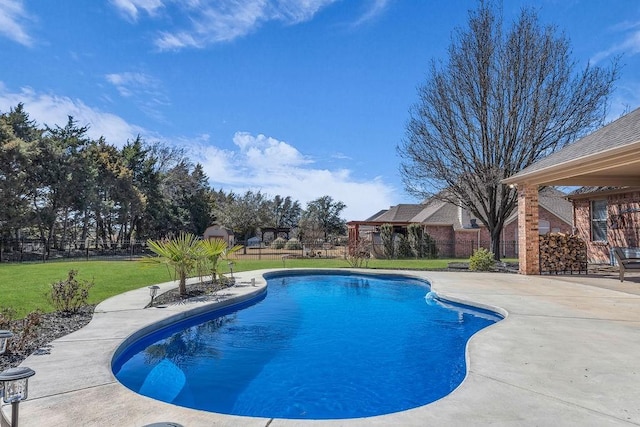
(5, 336)
(14, 384)
(153, 291)
(231, 268)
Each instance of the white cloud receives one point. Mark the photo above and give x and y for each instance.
(12, 20)
(628, 45)
(132, 8)
(145, 91)
(169, 41)
(376, 9)
(215, 21)
(54, 110)
(267, 152)
(198, 23)
(626, 98)
(276, 167)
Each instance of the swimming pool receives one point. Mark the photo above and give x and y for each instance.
(318, 346)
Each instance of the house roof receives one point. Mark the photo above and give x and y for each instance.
(554, 201)
(376, 215)
(608, 156)
(438, 212)
(591, 191)
(399, 213)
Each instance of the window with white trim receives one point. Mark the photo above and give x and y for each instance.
(598, 220)
(543, 226)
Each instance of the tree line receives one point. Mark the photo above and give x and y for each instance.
(59, 185)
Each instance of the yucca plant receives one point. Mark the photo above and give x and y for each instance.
(213, 251)
(182, 253)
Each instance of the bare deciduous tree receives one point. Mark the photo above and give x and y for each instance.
(502, 101)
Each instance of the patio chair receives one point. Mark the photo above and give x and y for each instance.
(625, 262)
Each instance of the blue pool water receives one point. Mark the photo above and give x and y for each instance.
(319, 346)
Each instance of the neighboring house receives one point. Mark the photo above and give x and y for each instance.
(606, 217)
(217, 231)
(456, 231)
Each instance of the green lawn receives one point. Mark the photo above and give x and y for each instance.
(24, 286)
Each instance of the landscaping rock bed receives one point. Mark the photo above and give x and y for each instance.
(193, 291)
(55, 325)
(51, 327)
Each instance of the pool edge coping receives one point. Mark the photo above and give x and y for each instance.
(469, 290)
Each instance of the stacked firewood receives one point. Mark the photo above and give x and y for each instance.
(560, 252)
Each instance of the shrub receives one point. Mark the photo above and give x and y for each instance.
(430, 246)
(7, 316)
(30, 326)
(422, 244)
(386, 235)
(404, 247)
(278, 243)
(293, 244)
(358, 255)
(481, 260)
(415, 235)
(213, 252)
(68, 296)
(182, 253)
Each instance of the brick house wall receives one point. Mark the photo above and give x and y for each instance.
(510, 235)
(555, 223)
(441, 234)
(468, 240)
(458, 243)
(623, 223)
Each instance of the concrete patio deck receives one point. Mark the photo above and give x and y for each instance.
(567, 354)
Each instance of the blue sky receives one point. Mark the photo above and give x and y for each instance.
(298, 98)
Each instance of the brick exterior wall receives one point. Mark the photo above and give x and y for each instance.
(441, 234)
(528, 236)
(555, 223)
(468, 241)
(623, 224)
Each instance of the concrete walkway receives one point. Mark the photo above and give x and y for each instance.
(567, 354)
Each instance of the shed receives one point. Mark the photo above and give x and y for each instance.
(217, 231)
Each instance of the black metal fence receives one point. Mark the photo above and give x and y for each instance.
(30, 250)
(457, 249)
(39, 250)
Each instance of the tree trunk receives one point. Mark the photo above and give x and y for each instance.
(182, 287)
(85, 229)
(495, 243)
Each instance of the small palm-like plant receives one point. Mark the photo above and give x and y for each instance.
(182, 253)
(213, 251)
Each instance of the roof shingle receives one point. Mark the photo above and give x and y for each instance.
(620, 132)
